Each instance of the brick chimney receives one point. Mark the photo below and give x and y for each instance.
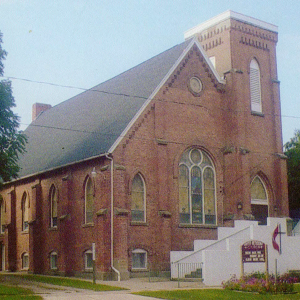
(38, 108)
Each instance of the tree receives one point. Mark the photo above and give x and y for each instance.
(12, 142)
(292, 151)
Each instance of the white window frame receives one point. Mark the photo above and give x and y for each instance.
(140, 251)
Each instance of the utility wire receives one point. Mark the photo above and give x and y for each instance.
(139, 97)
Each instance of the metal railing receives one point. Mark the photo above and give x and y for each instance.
(188, 271)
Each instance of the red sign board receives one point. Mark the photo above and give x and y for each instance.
(253, 252)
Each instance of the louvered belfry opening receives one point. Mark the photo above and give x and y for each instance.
(255, 89)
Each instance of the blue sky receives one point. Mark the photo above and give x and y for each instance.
(81, 43)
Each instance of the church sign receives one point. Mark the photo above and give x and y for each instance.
(253, 252)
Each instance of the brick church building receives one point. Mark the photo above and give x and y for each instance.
(152, 159)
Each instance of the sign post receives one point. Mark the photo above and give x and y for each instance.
(254, 252)
(94, 264)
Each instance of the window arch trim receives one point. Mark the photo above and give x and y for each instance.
(256, 200)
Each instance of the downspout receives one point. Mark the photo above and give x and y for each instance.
(112, 217)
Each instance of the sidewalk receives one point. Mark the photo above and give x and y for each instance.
(52, 292)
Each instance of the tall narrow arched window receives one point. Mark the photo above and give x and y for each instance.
(255, 87)
(53, 206)
(25, 213)
(259, 200)
(89, 201)
(197, 192)
(138, 199)
(2, 211)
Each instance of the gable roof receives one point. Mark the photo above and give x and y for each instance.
(91, 123)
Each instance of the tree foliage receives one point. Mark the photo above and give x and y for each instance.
(292, 151)
(12, 142)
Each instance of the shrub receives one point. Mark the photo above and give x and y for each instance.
(260, 283)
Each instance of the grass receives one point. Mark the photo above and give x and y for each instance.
(68, 282)
(220, 294)
(14, 293)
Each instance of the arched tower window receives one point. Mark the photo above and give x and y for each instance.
(255, 87)
(197, 192)
(138, 199)
(53, 206)
(259, 200)
(25, 212)
(89, 201)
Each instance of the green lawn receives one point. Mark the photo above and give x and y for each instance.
(70, 282)
(219, 294)
(14, 293)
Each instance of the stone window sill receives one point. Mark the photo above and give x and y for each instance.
(88, 225)
(258, 114)
(197, 226)
(137, 223)
(53, 228)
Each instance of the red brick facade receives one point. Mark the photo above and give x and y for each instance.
(218, 121)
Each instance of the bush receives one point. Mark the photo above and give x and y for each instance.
(260, 283)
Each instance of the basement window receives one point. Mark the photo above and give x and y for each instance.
(88, 260)
(25, 261)
(53, 261)
(139, 259)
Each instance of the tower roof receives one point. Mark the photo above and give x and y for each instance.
(229, 14)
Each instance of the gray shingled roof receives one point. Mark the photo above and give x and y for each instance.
(88, 124)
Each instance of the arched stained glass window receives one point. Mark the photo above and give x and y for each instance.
(138, 199)
(197, 197)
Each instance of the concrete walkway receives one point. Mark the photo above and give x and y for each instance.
(52, 292)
